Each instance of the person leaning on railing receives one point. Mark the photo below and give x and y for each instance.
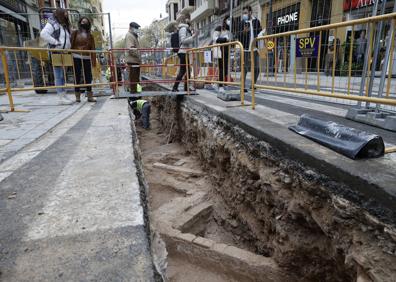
(56, 33)
(82, 39)
(222, 35)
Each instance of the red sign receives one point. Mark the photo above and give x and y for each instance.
(357, 4)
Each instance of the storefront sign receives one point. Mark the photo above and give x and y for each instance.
(292, 17)
(287, 18)
(307, 47)
(357, 4)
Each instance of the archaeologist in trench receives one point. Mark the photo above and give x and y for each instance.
(141, 109)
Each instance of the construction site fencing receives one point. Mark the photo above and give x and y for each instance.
(141, 68)
(313, 61)
(219, 64)
(27, 69)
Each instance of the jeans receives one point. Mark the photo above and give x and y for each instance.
(146, 115)
(182, 71)
(59, 79)
(247, 67)
(83, 71)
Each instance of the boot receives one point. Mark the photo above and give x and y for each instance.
(90, 97)
(78, 96)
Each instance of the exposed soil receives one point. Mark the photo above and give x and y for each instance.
(172, 193)
(277, 207)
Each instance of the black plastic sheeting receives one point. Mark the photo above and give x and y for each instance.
(353, 143)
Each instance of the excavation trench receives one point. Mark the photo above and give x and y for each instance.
(231, 208)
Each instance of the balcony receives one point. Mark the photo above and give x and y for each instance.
(205, 9)
(186, 7)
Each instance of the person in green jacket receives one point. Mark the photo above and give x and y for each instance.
(142, 108)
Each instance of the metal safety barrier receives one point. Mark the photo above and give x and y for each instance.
(154, 66)
(312, 61)
(220, 64)
(36, 67)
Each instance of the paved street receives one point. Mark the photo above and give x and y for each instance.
(71, 199)
(21, 128)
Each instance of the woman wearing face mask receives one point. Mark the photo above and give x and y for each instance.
(222, 35)
(82, 39)
(186, 38)
(57, 34)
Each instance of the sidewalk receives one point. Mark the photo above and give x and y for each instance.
(70, 202)
(19, 129)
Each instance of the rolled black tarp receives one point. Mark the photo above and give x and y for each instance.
(350, 142)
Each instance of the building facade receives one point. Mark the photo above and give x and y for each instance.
(19, 21)
(94, 11)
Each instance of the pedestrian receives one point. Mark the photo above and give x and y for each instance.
(361, 43)
(56, 33)
(132, 57)
(222, 35)
(329, 59)
(280, 56)
(249, 29)
(141, 109)
(82, 39)
(186, 39)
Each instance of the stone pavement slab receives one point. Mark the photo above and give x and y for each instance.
(20, 129)
(73, 212)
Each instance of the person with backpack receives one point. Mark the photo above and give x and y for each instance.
(222, 35)
(82, 39)
(56, 33)
(186, 40)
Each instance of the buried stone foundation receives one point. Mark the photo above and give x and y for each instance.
(282, 209)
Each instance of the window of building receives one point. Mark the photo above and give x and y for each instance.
(175, 10)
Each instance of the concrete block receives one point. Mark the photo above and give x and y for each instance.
(371, 117)
(390, 123)
(238, 253)
(203, 242)
(186, 237)
(219, 247)
(229, 96)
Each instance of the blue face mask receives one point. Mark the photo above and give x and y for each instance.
(245, 17)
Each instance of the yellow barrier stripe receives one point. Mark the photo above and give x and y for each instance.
(64, 86)
(350, 59)
(391, 102)
(390, 150)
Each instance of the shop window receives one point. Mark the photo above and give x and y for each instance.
(8, 33)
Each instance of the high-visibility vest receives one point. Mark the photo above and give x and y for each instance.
(140, 104)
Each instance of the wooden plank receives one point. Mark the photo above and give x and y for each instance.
(178, 169)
